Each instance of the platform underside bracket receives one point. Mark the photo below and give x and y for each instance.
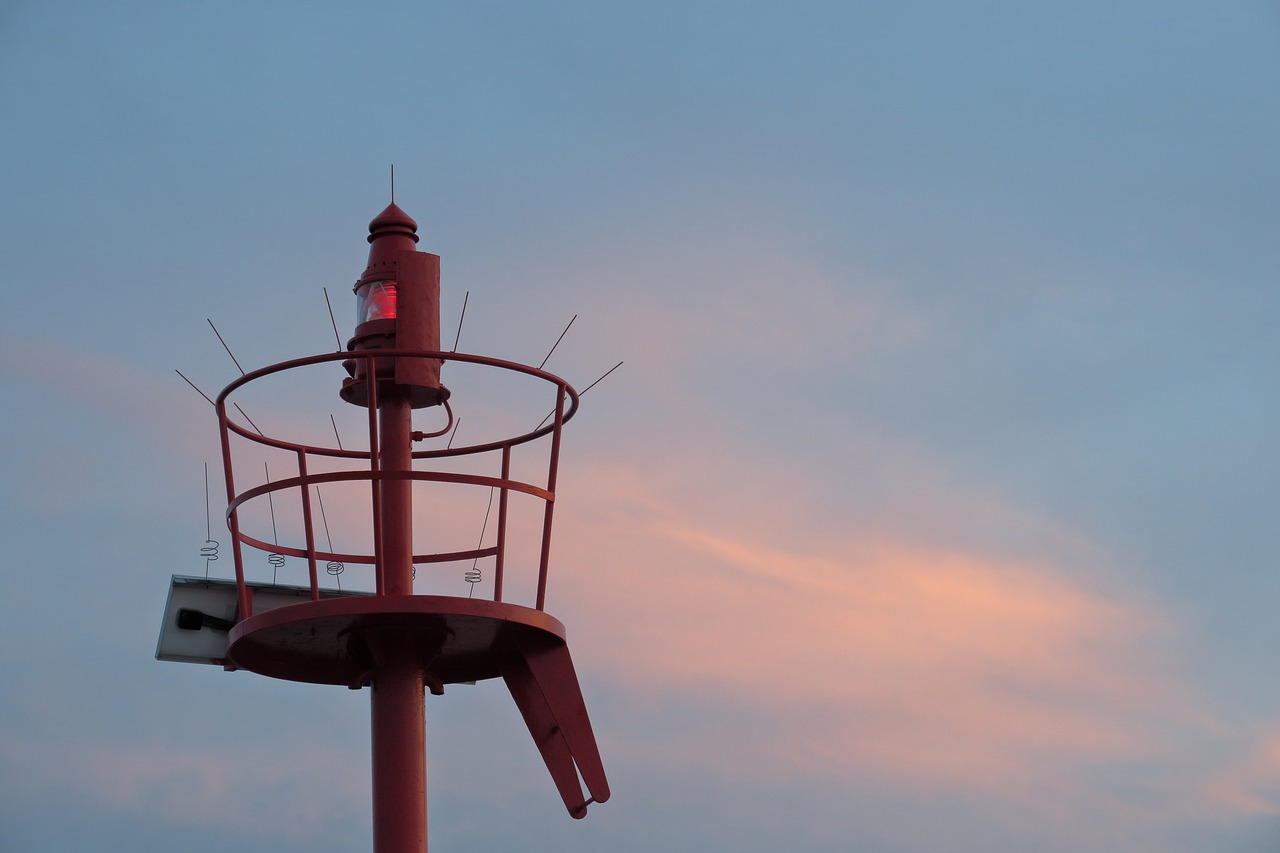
(542, 681)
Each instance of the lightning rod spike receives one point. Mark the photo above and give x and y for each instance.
(193, 385)
(582, 392)
(336, 336)
(224, 345)
(461, 317)
(557, 343)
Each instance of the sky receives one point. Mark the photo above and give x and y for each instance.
(933, 508)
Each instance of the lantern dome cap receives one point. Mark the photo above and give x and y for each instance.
(393, 220)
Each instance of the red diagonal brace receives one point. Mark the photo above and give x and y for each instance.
(545, 687)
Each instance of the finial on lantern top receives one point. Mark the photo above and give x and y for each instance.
(394, 222)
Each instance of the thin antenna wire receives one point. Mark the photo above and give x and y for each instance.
(557, 343)
(474, 576)
(336, 336)
(393, 183)
(581, 393)
(211, 403)
(224, 345)
(336, 436)
(208, 521)
(249, 419)
(210, 549)
(333, 567)
(193, 385)
(275, 558)
(452, 434)
(461, 317)
(593, 384)
(275, 537)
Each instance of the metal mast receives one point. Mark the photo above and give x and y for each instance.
(393, 639)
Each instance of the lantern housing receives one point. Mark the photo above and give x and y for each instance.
(397, 308)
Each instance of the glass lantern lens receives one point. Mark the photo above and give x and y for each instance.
(376, 301)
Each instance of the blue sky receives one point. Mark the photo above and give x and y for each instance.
(933, 509)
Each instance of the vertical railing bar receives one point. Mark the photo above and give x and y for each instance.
(500, 557)
(552, 465)
(307, 525)
(233, 517)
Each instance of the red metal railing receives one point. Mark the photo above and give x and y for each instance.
(565, 406)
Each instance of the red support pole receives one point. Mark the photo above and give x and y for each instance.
(395, 455)
(552, 466)
(399, 752)
(396, 706)
(244, 601)
(500, 559)
(374, 463)
(307, 526)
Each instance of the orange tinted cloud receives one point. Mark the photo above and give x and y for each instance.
(1250, 784)
(869, 654)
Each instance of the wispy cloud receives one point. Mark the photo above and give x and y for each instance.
(198, 785)
(1250, 783)
(927, 667)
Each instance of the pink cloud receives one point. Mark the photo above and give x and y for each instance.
(869, 654)
(1251, 783)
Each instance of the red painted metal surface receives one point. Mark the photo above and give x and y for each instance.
(366, 466)
(322, 642)
(540, 675)
(397, 641)
(398, 743)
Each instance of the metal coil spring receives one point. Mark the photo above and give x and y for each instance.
(209, 551)
(276, 560)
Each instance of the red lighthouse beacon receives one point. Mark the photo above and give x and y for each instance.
(392, 639)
